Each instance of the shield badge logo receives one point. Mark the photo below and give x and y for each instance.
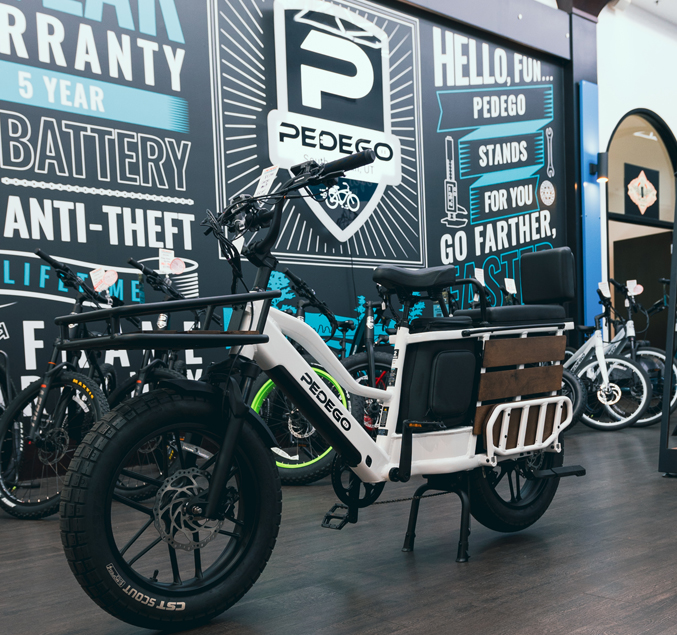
(333, 99)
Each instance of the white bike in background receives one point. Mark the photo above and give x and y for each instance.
(619, 388)
(468, 407)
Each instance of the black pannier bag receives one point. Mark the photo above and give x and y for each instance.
(440, 382)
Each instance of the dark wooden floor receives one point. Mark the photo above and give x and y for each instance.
(603, 560)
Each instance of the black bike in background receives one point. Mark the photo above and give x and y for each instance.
(43, 424)
(158, 365)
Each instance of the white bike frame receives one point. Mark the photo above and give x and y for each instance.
(438, 452)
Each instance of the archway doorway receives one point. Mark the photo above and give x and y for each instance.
(641, 211)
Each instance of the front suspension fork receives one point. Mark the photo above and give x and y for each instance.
(235, 403)
(601, 360)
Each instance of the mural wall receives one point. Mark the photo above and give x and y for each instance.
(122, 121)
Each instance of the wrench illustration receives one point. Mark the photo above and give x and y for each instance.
(548, 137)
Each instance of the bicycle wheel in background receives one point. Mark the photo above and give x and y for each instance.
(575, 389)
(653, 361)
(32, 473)
(5, 384)
(626, 400)
(304, 456)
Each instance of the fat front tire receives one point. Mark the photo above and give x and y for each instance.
(160, 564)
(505, 500)
(32, 474)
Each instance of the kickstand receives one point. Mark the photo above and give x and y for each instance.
(443, 483)
(353, 497)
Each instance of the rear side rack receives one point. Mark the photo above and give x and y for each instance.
(531, 433)
(165, 340)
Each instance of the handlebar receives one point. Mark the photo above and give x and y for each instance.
(54, 263)
(351, 162)
(308, 173)
(71, 279)
(621, 287)
(158, 283)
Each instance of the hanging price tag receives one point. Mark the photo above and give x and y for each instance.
(177, 266)
(102, 279)
(510, 286)
(479, 276)
(604, 288)
(266, 180)
(165, 260)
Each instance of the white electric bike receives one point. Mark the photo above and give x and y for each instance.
(619, 388)
(469, 407)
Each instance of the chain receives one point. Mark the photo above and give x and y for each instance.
(411, 498)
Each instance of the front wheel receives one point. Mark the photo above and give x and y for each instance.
(506, 498)
(162, 564)
(626, 399)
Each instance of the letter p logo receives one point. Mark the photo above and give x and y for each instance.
(315, 81)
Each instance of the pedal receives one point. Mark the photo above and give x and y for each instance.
(559, 472)
(331, 515)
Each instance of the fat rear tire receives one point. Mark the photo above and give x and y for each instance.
(490, 503)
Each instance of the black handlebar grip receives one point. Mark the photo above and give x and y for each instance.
(351, 162)
(292, 276)
(664, 280)
(618, 285)
(136, 264)
(47, 258)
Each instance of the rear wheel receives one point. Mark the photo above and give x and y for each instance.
(32, 472)
(653, 362)
(505, 499)
(162, 564)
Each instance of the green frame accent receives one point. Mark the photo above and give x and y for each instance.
(269, 386)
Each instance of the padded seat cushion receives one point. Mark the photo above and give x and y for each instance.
(424, 324)
(517, 314)
(408, 280)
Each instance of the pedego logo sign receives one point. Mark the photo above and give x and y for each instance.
(307, 79)
(323, 51)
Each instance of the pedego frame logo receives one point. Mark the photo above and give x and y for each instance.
(320, 81)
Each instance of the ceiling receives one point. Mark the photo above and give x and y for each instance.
(664, 9)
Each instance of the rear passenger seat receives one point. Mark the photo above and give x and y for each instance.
(517, 314)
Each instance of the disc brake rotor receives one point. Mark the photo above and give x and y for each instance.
(180, 526)
(299, 426)
(610, 396)
(53, 446)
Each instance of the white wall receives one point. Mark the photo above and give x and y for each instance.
(636, 67)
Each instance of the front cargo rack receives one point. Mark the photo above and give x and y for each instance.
(165, 340)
